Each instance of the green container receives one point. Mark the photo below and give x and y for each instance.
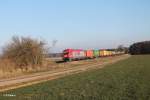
(96, 53)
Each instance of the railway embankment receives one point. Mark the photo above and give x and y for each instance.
(60, 70)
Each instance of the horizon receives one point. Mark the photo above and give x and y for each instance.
(77, 24)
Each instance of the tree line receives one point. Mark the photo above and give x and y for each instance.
(140, 48)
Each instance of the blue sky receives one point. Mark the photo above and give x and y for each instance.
(76, 23)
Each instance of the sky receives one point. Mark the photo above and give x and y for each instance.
(84, 24)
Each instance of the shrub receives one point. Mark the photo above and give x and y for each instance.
(24, 51)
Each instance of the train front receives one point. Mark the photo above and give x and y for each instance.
(67, 55)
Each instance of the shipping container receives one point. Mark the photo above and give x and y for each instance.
(104, 53)
(110, 53)
(101, 53)
(96, 53)
(89, 54)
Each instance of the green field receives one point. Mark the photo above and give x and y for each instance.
(125, 80)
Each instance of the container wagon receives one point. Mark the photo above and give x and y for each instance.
(103, 53)
(89, 54)
(96, 53)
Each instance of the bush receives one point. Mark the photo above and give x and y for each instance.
(24, 51)
(140, 48)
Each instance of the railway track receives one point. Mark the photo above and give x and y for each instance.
(13, 83)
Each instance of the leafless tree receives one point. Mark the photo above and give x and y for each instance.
(24, 51)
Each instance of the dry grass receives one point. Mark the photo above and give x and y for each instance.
(9, 69)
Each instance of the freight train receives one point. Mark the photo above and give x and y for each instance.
(78, 54)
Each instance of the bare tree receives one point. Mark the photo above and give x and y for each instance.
(54, 42)
(122, 48)
(24, 51)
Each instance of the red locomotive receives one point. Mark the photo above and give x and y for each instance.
(73, 54)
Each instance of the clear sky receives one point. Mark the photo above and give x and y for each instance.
(76, 23)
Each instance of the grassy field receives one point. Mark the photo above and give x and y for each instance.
(125, 80)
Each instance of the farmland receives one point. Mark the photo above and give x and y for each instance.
(124, 80)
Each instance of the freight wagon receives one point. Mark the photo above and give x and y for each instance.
(89, 54)
(96, 53)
